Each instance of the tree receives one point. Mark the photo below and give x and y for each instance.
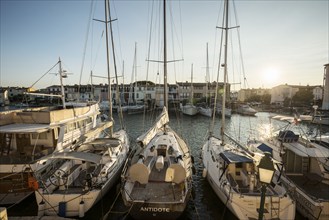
(266, 99)
(303, 97)
(254, 98)
(287, 102)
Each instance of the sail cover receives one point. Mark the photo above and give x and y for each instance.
(231, 157)
(162, 119)
(263, 147)
(83, 156)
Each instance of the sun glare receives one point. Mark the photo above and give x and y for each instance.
(271, 76)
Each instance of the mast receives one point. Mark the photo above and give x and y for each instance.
(61, 80)
(115, 71)
(165, 55)
(122, 94)
(108, 66)
(225, 72)
(207, 76)
(92, 86)
(135, 72)
(191, 98)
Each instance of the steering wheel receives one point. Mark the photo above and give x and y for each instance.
(60, 176)
(87, 178)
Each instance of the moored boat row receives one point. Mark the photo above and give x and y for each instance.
(74, 160)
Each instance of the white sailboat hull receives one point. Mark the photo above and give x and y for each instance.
(189, 110)
(68, 205)
(308, 188)
(228, 112)
(158, 181)
(246, 110)
(205, 111)
(103, 158)
(243, 199)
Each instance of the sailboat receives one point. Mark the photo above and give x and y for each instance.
(133, 107)
(306, 166)
(86, 174)
(189, 108)
(157, 181)
(245, 109)
(27, 135)
(205, 109)
(232, 171)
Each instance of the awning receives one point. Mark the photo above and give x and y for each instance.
(231, 157)
(24, 128)
(301, 150)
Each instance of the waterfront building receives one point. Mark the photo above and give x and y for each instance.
(140, 91)
(282, 92)
(200, 90)
(245, 94)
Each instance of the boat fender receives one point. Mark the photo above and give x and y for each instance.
(41, 209)
(204, 173)
(33, 183)
(81, 209)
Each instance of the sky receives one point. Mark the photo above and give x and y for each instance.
(281, 41)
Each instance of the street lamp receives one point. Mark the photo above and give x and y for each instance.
(266, 172)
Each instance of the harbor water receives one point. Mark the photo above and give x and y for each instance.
(204, 203)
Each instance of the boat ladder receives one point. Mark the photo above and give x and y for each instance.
(275, 207)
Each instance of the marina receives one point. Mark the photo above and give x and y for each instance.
(204, 204)
(158, 147)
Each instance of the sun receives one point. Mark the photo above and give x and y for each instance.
(271, 75)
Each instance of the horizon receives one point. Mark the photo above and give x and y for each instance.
(282, 42)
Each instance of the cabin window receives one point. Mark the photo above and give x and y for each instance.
(238, 165)
(71, 126)
(80, 124)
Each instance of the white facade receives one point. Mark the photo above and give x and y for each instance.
(317, 93)
(281, 92)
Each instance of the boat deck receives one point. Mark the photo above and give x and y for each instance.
(312, 185)
(240, 188)
(157, 189)
(79, 184)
